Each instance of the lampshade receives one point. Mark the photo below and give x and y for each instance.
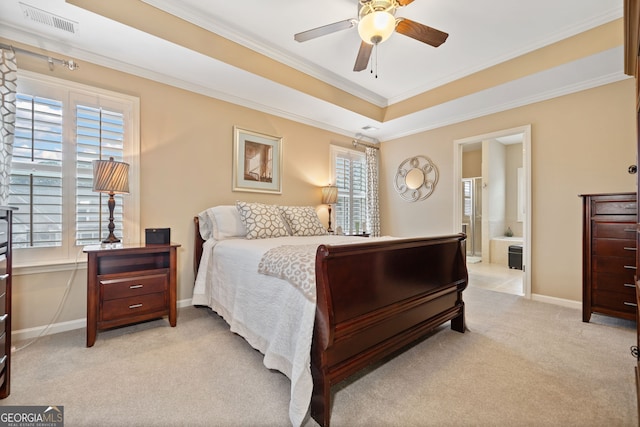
(110, 176)
(376, 27)
(329, 194)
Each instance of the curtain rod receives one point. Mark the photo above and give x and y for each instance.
(357, 141)
(70, 64)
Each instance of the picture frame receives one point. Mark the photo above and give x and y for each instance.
(257, 162)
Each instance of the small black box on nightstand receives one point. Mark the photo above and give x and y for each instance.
(157, 236)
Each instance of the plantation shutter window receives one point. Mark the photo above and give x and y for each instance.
(349, 174)
(61, 128)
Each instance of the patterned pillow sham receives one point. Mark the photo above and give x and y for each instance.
(303, 220)
(261, 221)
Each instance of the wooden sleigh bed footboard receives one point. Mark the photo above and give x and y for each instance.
(375, 298)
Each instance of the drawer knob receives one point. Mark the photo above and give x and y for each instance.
(4, 358)
(140, 305)
(632, 304)
(4, 276)
(136, 286)
(4, 317)
(630, 267)
(630, 249)
(629, 285)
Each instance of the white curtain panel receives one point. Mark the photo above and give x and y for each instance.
(373, 202)
(8, 82)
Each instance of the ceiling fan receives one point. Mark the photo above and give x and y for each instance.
(376, 23)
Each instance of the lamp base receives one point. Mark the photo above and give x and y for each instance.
(111, 238)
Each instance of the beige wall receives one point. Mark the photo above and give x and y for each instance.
(581, 143)
(185, 167)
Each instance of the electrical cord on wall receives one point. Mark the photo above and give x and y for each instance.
(58, 311)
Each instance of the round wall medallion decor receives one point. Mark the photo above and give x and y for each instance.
(416, 178)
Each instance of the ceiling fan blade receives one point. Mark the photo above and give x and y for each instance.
(362, 60)
(404, 2)
(421, 32)
(324, 30)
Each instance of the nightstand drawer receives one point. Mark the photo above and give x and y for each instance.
(127, 307)
(133, 286)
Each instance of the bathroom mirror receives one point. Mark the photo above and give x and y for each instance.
(416, 178)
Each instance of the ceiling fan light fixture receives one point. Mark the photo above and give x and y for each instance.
(376, 27)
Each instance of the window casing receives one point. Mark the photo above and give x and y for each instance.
(348, 170)
(61, 127)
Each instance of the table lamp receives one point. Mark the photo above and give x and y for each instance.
(329, 197)
(111, 177)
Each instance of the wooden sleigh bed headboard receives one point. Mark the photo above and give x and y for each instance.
(375, 298)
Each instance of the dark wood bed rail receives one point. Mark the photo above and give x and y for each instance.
(375, 298)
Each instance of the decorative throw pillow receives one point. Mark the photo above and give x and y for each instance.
(261, 221)
(303, 220)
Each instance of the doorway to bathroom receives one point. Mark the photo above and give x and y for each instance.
(492, 204)
(472, 217)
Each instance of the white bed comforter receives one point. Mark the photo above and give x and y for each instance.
(274, 316)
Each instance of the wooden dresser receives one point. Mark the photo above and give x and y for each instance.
(5, 300)
(128, 284)
(609, 255)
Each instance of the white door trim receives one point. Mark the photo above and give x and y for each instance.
(526, 163)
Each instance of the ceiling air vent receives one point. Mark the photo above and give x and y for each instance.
(48, 18)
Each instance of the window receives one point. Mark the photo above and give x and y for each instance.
(348, 169)
(60, 128)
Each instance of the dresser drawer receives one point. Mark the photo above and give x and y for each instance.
(127, 307)
(614, 247)
(614, 301)
(3, 304)
(607, 264)
(4, 228)
(615, 207)
(615, 282)
(614, 230)
(133, 286)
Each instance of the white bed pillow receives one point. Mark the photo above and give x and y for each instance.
(261, 221)
(303, 220)
(221, 222)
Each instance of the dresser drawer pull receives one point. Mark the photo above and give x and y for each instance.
(632, 304)
(629, 285)
(630, 249)
(4, 276)
(136, 286)
(4, 317)
(140, 305)
(630, 267)
(4, 358)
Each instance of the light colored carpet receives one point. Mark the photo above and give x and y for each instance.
(522, 363)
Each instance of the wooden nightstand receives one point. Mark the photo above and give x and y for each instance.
(128, 284)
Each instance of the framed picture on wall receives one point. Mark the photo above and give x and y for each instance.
(257, 162)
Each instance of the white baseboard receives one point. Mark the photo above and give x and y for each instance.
(557, 301)
(30, 333)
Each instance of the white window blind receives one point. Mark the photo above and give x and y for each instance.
(349, 174)
(99, 135)
(61, 127)
(36, 172)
